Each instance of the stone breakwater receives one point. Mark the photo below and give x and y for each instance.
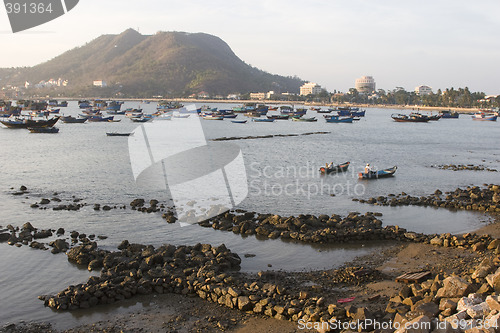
(459, 167)
(486, 199)
(265, 136)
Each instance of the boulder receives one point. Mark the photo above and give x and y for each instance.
(493, 302)
(484, 268)
(494, 280)
(454, 286)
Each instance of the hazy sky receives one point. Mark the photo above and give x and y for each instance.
(440, 43)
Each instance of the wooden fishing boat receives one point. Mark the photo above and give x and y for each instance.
(263, 120)
(279, 116)
(334, 169)
(213, 117)
(311, 119)
(73, 120)
(412, 118)
(43, 129)
(448, 114)
(338, 119)
(96, 119)
(435, 117)
(378, 174)
(484, 117)
(29, 123)
(239, 121)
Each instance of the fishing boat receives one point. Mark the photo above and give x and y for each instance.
(279, 116)
(52, 110)
(213, 117)
(263, 120)
(357, 113)
(84, 104)
(484, 117)
(311, 119)
(181, 116)
(334, 169)
(378, 174)
(43, 129)
(19, 122)
(229, 115)
(239, 121)
(435, 117)
(73, 120)
(324, 111)
(118, 134)
(114, 107)
(448, 114)
(165, 116)
(338, 119)
(96, 119)
(412, 118)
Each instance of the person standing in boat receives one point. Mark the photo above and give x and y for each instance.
(368, 168)
(330, 166)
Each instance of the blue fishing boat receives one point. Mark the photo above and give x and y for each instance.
(338, 119)
(239, 121)
(378, 174)
(262, 120)
(448, 114)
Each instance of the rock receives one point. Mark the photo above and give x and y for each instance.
(437, 241)
(429, 309)
(60, 231)
(28, 226)
(4, 237)
(466, 302)
(454, 286)
(494, 280)
(42, 234)
(478, 310)
(446, 303)
(244, 303)
(60, 244)
(137, 203)
(494, 244)
(493, 302)
(484, 268)
(44, 201)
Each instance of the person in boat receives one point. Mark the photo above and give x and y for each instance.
(368, 168)
(330, 166)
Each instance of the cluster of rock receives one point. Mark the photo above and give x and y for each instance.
(471, 167)
(141, 269)
(467, 303)
(485, 199)
(265, 136)
(31, 236)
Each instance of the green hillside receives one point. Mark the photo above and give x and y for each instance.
(167, 63)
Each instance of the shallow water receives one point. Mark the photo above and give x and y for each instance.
(282, 176)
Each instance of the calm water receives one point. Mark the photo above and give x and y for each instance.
(282, 174)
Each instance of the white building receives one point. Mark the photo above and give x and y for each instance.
(310, 88)
(423, 90)
(365, 84)
(257, 96)
(100, 83)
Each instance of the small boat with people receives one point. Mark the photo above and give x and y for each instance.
(330, 168)
(375, 174)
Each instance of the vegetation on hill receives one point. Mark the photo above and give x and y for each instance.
(173, 64)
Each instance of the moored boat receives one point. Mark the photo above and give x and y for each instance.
(263, 120)
(412, 118)
(378, 174)
(73, 120)
(338, 119)
(239, 121)
(307, 119)
(484, 117)
(279, 116)
(448, 114)
(43, 129)
(118, 134)
(213, 117)
(19, 122)
(336, 168)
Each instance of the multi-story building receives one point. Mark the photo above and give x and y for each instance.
(423, 90)
(365, 84)
(310, 88)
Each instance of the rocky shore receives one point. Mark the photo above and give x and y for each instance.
(458, 294)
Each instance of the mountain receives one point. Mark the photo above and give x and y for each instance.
(166, 63)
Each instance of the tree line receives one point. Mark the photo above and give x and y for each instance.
(460, 98)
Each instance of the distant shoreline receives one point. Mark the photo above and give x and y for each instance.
(272, 102)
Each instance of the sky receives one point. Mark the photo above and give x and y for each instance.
(439, 43)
